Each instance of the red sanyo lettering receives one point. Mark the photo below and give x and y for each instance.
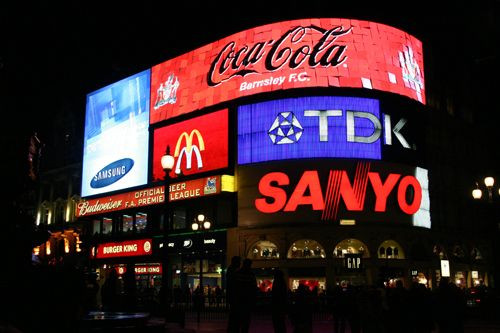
(270, 186)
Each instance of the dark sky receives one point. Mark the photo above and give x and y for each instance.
(54, 53)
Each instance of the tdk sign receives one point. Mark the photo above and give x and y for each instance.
(315, 127)
(112, 173)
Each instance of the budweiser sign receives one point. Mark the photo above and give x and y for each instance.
(293, 54)
(139, 198)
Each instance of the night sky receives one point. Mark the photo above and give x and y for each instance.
(55, 53)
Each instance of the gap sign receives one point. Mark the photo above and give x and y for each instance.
(315, 127)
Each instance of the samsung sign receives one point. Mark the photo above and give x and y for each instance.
(315, 127)
(115, 153)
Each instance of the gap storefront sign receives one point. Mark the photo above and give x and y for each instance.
(318, 52)
(316, 127)
(130, 248)
(367, 192)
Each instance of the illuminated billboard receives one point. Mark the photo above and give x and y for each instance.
(198, 145)
(366, 192)
(309, 127)
(115, 151)
(286, 55)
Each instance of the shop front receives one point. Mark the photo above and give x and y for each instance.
(137, 273)
(197, 259)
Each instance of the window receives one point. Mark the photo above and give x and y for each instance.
(264, 250)
(96, 227)
(107, 225)
(141, 222)
(390, 249)
(179, 218)
(306, 248)
(351, 246)
(127, 223)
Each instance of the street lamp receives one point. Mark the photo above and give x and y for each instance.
(199, 224)
(167, 163)
(488, 182)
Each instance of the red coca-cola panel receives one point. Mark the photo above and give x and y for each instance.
(197, 145)
(286, 55)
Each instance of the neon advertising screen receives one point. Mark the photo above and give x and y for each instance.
(115, 152)
(293, 54)
(367, 192)
(198, 145)
(309, 127)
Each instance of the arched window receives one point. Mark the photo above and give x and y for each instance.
(351, 246)
(475, 254)
(264, 250)
(390, 249)
(439, 251)
(306, 249)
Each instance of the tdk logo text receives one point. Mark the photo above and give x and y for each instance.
(287, 129)
(112, 173)
(317, 127)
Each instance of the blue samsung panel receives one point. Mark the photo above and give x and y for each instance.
(115, 153)
(309, 127)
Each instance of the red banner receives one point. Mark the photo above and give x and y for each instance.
(153, 269)
(139, 198)
(198, 145)
(140, 247)
(195, 188)
(286, 55)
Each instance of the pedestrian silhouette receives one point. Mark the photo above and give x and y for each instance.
(301, 313)
(232, 324)
(109, 291)
(245, 293)
(279, 301)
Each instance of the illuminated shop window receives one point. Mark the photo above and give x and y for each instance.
(390, 249)
(439, 251)
(96, 227)
(475, 254)
(141, 221)
(264, 250)
(306, 248)
(351, 246)
(127, 223)
(460, 279)
(107, 225)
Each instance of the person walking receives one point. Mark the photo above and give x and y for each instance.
(232, 322)
(279, 301)
(245, 294)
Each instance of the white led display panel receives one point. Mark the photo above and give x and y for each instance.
(115, 152)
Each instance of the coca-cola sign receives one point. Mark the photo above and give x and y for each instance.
(287, 55)
(289, 50)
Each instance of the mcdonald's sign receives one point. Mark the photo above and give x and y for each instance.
(199, 145)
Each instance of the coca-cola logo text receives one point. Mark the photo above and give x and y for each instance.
(293, 48)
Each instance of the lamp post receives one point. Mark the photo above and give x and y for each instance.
(167, 163)
(490, 211)
(488, 182)
(200, 224)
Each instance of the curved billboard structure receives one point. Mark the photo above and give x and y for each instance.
(286, 55)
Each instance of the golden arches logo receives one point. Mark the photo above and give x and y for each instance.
(189, 141)
(188, 150)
